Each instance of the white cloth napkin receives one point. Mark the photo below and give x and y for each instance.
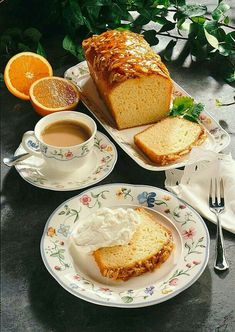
(192, 184)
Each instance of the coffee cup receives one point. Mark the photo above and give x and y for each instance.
(64, 140)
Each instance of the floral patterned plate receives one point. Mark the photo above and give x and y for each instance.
(217, 139)
(78, 273)
(100, 165)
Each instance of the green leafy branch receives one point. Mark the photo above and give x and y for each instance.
(208, 37)
(15, 40)
(220, 103)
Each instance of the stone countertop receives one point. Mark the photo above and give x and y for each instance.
(33, 301)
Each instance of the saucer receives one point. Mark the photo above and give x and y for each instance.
(101, 163)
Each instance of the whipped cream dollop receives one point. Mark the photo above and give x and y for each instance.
(105, 228)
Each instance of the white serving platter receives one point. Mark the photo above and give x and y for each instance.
(217, 139)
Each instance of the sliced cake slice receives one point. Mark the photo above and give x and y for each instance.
(169, 139)
(149, 247)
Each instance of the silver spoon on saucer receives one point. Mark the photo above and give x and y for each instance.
(11, 161)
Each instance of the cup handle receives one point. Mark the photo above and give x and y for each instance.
(31, 144)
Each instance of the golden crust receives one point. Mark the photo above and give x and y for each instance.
(121, 55)
(167, 159)
(125, 273)
(133, 270)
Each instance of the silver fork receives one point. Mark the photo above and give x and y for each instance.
(216, 205)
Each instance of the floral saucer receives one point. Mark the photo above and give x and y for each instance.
(78, 273)
(100, 165)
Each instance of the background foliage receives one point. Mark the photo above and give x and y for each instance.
(208, 37)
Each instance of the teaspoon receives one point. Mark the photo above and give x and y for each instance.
(11, 161)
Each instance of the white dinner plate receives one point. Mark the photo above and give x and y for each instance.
(217, 137)
(78, 273)
(100, 164)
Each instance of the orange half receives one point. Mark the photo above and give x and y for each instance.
(53, 94)
(22, 70)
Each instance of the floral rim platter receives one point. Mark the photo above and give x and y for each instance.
(217, 139)
(81, 278)
(99, 166)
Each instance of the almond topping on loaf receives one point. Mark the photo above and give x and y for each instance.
(130, 77)
(149, 247)
(124, 53)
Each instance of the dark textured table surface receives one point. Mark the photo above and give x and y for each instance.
(33, 301)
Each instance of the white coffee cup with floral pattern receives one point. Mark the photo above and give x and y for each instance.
(60, 158)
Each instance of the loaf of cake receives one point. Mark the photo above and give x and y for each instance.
(130, 77)
(149, 247)
(169, 139)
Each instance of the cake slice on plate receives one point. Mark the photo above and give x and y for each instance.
(169, 139)
(149, 247)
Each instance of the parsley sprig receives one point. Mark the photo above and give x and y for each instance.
(185, 107)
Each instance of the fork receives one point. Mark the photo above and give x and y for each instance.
(217, 206)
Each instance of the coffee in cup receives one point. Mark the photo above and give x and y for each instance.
(64, 139)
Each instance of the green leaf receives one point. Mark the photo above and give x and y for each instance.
(161, 4)
(169, 50)
(76, 10)
(226, 20)
(14, 32)
(161, 20)
(230, 77)
(220, 10)
(211, 27)
(218, 103)
(183, 102)
(127, 299)
(40, 50)
(213, 41)
(61, 213)
(167, 27)
(193, 10)
(146, 15)
(150, 37)
(88, 24)
(32, 34)
(230, 39)
(199, 20)
(94, 11)
(124, 27)
(121, 12)
(69, 45)
(178, 3)
(186, 108)
(180, 22)
(23, 47)
(141, 20)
